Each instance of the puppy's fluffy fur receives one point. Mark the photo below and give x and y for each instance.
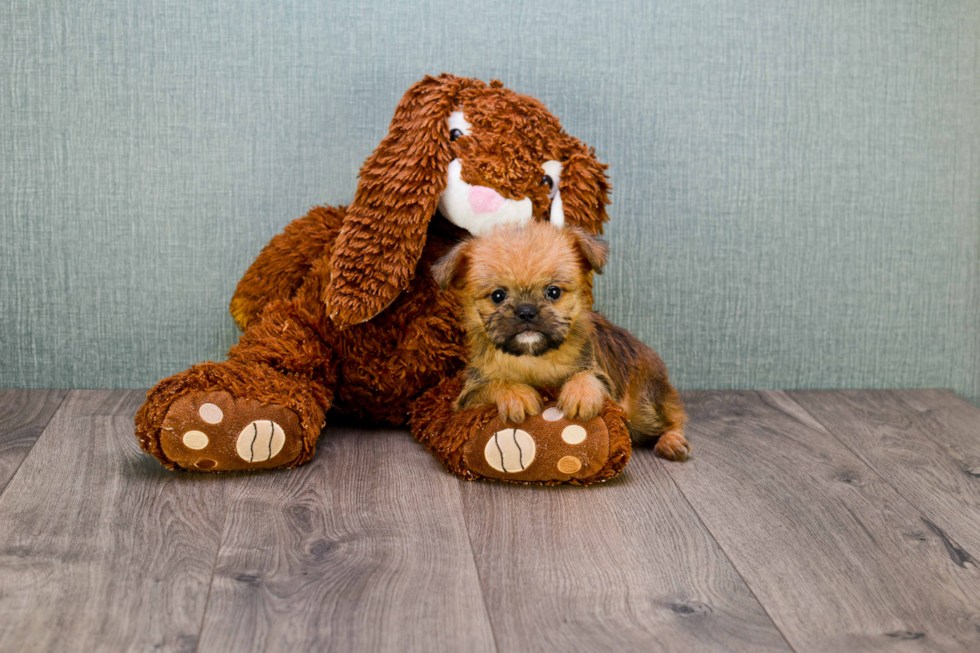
(527, 296)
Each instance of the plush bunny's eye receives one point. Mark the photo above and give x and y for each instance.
(551, 179)
(498, 296)
(458, 125)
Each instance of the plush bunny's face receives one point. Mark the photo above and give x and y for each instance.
(480, 155)
(507, 162)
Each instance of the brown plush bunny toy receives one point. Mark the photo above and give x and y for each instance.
(340, 312)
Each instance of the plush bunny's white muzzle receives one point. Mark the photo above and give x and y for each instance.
(478, 208)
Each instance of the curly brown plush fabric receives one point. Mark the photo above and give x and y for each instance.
(340, 313)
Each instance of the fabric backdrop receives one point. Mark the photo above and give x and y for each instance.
(797, 183)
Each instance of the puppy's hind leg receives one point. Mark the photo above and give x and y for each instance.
(656, 415)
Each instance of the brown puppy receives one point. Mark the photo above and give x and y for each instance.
(527, 297)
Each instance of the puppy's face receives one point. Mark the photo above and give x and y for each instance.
(524, 289)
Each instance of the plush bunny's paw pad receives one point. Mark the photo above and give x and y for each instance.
(214, 432)
(543, 448)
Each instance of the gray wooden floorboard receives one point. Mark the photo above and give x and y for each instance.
(101, 548)
(839, 559)
(925, 456)
(954, 424)
(362, 549)
(621, 566)
(23, 415)
(838, 521)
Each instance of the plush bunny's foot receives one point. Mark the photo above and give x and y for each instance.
(544, 447)
(209, 431)
(547, 448)
(218, 417)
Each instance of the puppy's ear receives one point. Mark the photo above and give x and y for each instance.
(452, 266)
(594, 251)
(584, 188)
(384, 229)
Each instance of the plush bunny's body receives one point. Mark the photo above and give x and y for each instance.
(375, 369)
(340, 313)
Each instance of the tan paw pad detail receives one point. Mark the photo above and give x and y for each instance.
(510, 450)
(573, 434)
(210, 413)
(195, 440)
(259, 441)
(552, 414)
(569, 465)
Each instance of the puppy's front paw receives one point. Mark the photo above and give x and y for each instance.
(581, 397)
(673, 446)
(515, 402)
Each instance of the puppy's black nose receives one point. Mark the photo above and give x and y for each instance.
(526, 312)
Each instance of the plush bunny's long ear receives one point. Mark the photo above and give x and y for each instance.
(384, 229)
(584, 189)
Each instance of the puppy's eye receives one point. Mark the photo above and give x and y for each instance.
(455, 133)
(498, 296)
(553, 292)
(549, 182)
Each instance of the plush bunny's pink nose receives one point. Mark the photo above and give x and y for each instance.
(485, 200)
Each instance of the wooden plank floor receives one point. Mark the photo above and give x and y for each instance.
(806, 521)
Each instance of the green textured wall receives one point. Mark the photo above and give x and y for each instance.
(797, 183)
